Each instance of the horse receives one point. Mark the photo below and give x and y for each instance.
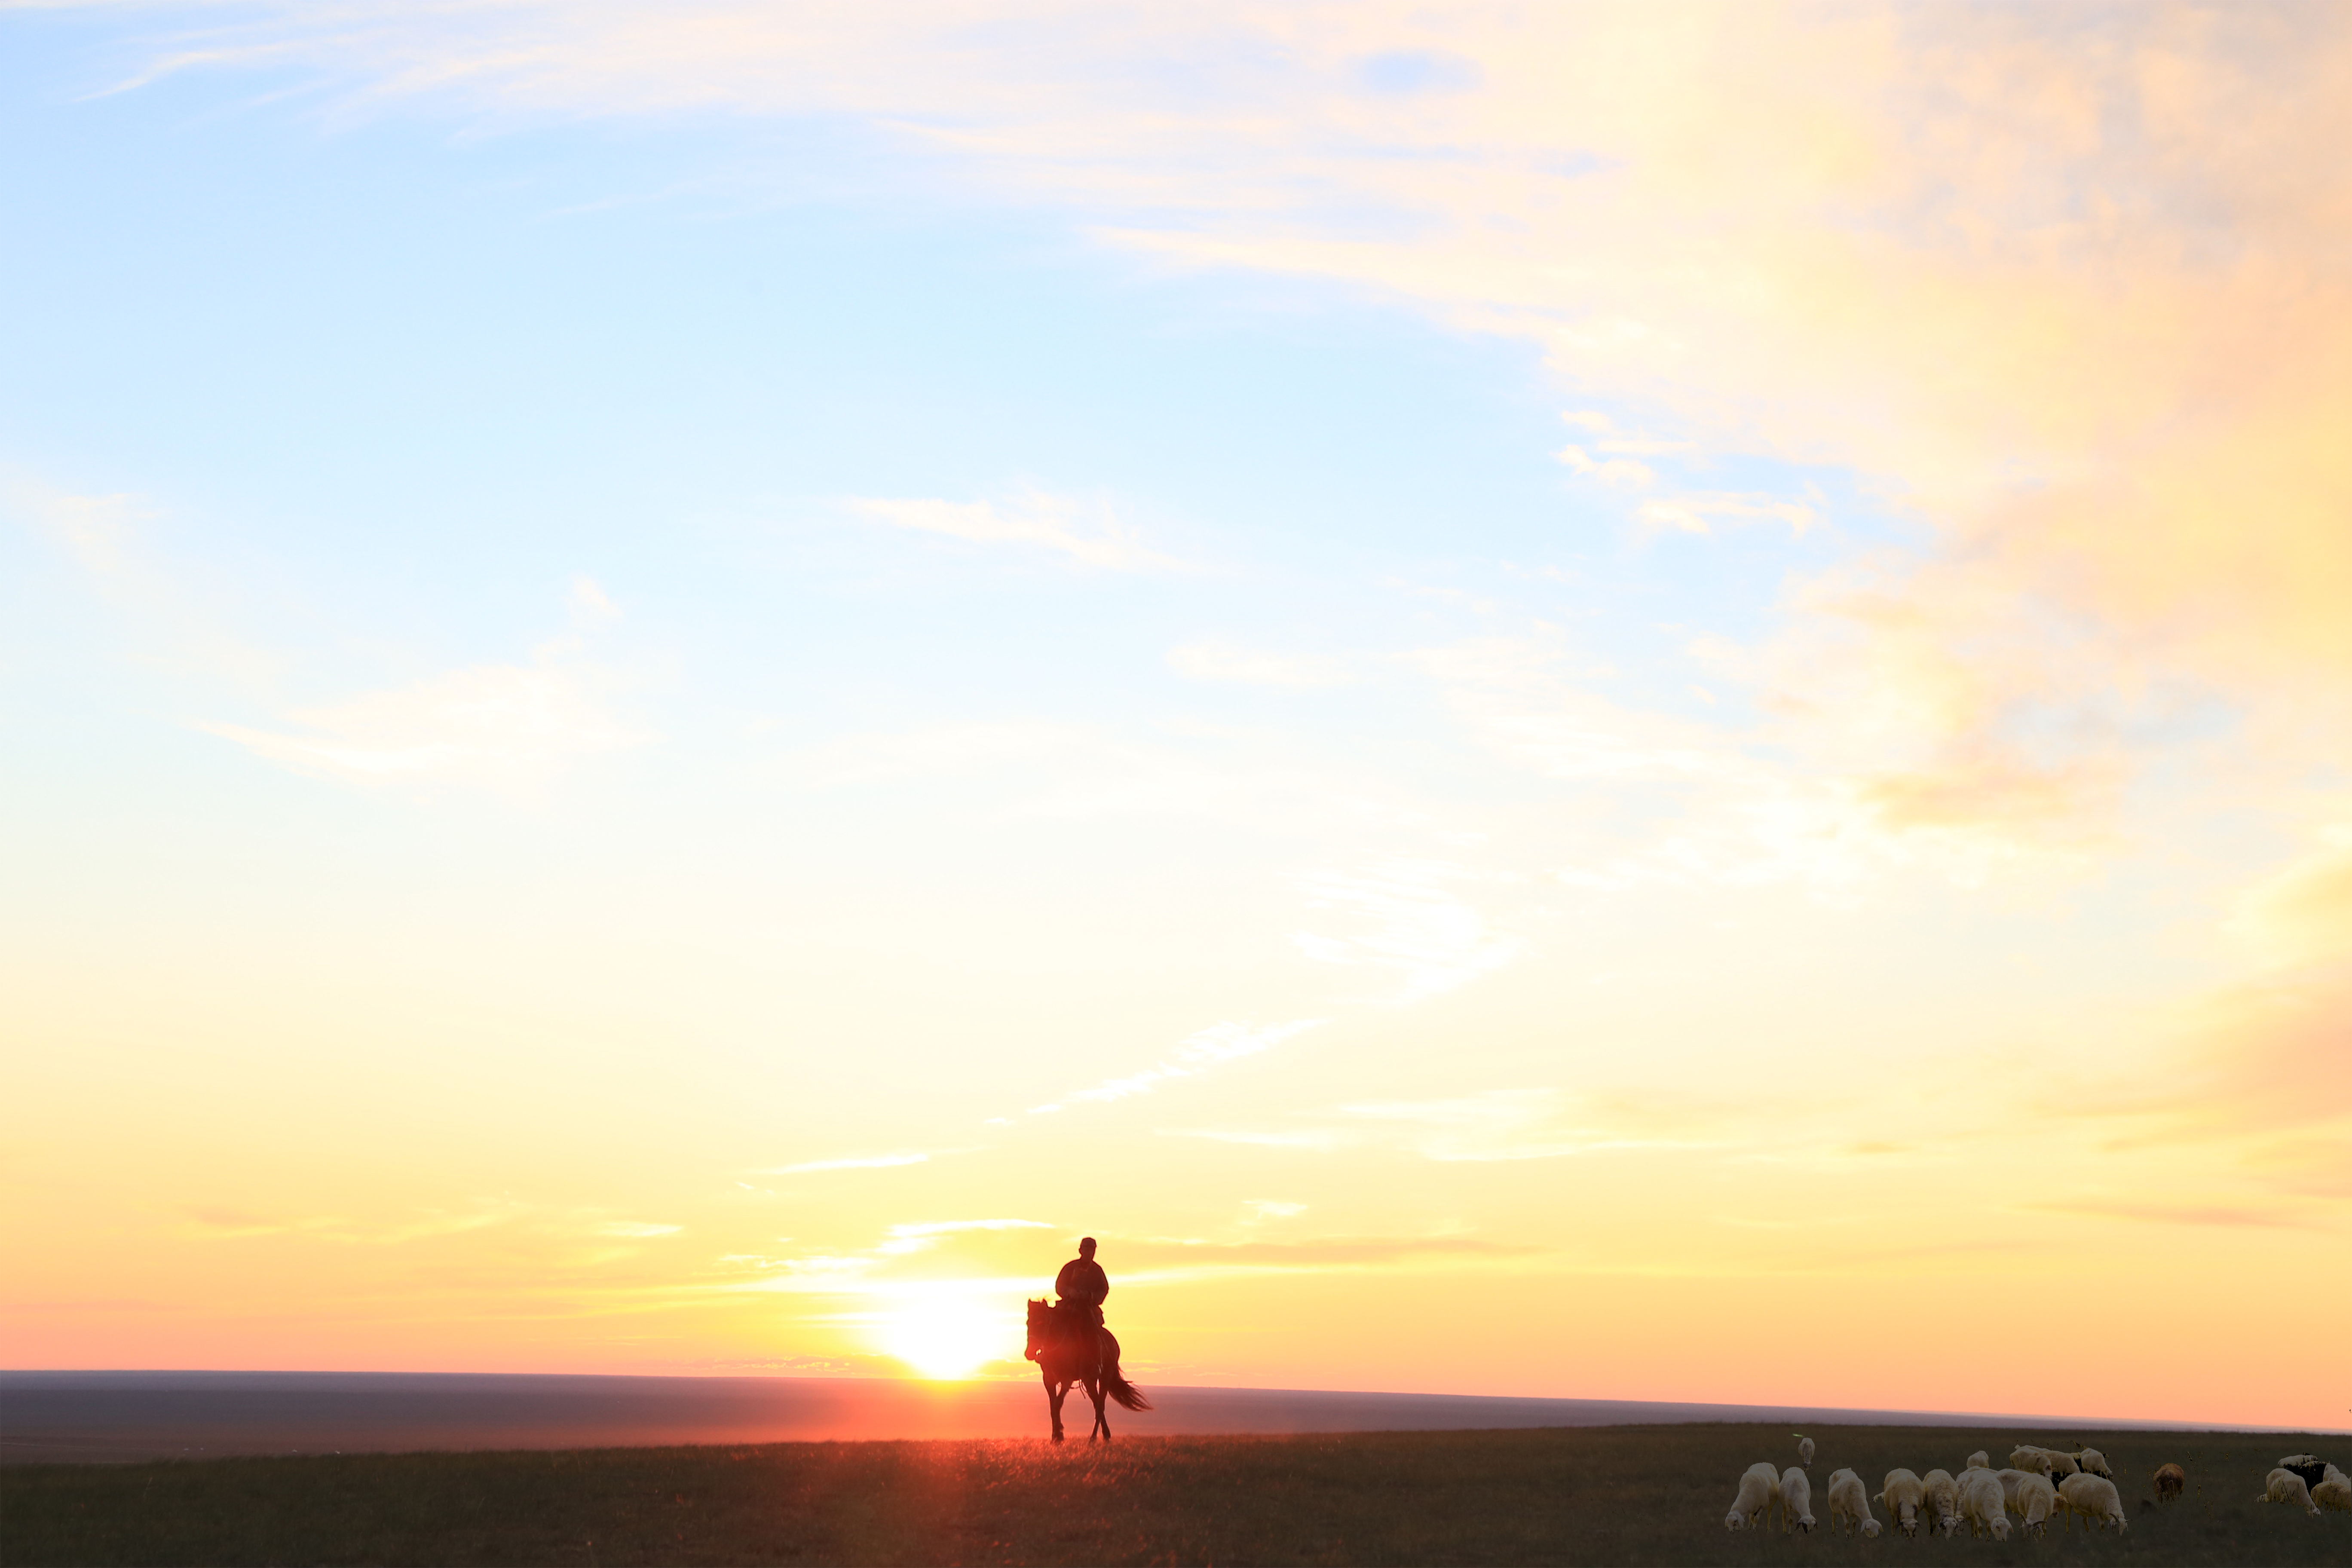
(1067, 1353)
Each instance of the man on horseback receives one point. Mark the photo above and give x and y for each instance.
(1082, 1285)
(1071, 1346)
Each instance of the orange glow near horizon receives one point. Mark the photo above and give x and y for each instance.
(1601, 700)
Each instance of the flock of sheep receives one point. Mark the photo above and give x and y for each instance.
(2040, 1484)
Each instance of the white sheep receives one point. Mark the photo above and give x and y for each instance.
(1979, 1461)
(2037, 1499)
(1848, 1504)
(1943, 1495)
(2050, 1462)
(1759, 1489)
(2093, 1463)
(1804, 1448)
(2009, 1481)
(2310, 1466)
(1902, 1494)
(2095, 1499)
(1796, 1500)
(2334, 1490)
(2286, 1485)
(1981, 1504)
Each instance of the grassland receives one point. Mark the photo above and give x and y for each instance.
(1632, 1494)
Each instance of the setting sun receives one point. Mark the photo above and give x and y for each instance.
(947, 1337)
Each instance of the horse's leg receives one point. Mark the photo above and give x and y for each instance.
(1054, 1401)
(1102, 1422)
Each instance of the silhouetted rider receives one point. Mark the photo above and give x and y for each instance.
(1082, 1285)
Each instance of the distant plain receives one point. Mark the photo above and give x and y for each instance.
(1625, 1494)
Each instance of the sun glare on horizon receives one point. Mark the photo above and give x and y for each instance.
(944, 1339)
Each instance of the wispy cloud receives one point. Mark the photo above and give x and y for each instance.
(502, 727)
(1226, 661)
(920, 1236)
(2223, 1215)
(850, 1163)
(1091, 532)
(1407, 918)
(1213, 1047)
(1703, 512)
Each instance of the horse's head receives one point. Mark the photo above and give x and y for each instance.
(1041, 1329)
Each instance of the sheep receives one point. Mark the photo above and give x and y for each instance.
(1981, 1504)
(2093, 1463)
(2009, 1481)
(1759, 1489)
(2334, 1490)
(1804, 1448)
(1796, 1500)
(1902, 1494)
(2286, 1485)
(2052, 1462)
(1944, 1494)
(1848, 1504)
(2095, 1499)
(2043, 1461)
(1978, 1461)
(2037, 1499)
(2171, 1480)
(2310, 1466)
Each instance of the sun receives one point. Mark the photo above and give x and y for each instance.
(943, 1338)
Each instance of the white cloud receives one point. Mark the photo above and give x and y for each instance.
(1699, 513)
(1089, 533)
(1620, 471)
(1215, 660)
(848, 1162)
(1401, 915)
(504, 727)
(1213, 1047)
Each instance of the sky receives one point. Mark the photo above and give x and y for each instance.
(1625, 701)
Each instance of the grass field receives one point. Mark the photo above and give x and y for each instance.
(1626, 1494)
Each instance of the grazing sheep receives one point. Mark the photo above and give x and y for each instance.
(1796, 1500)
(1943, 1495)
(2043, 1461)
(2093, 1463)
(1979, 1461)
(1848, 1504)
(2095, 1499)
(1804, 1448)
(2037, 1499)
(2171, 1480)
(2310, 1466)
(1902, 1494)
(2009, 1481)
(2286, 1485)
(2334, 1490)
(1759, 1489)
(1981, 1505)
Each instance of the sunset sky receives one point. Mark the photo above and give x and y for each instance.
(1621, 701)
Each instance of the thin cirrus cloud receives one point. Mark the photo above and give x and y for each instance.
(851, 1163)
(1210, 1048)
(1766, 243)
(1403, 918)
(502, 727)
(1219, 660)
(1090, 534)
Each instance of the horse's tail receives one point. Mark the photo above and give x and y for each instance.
(1115, 1384)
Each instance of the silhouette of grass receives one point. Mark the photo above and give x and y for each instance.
(1627, 1494)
